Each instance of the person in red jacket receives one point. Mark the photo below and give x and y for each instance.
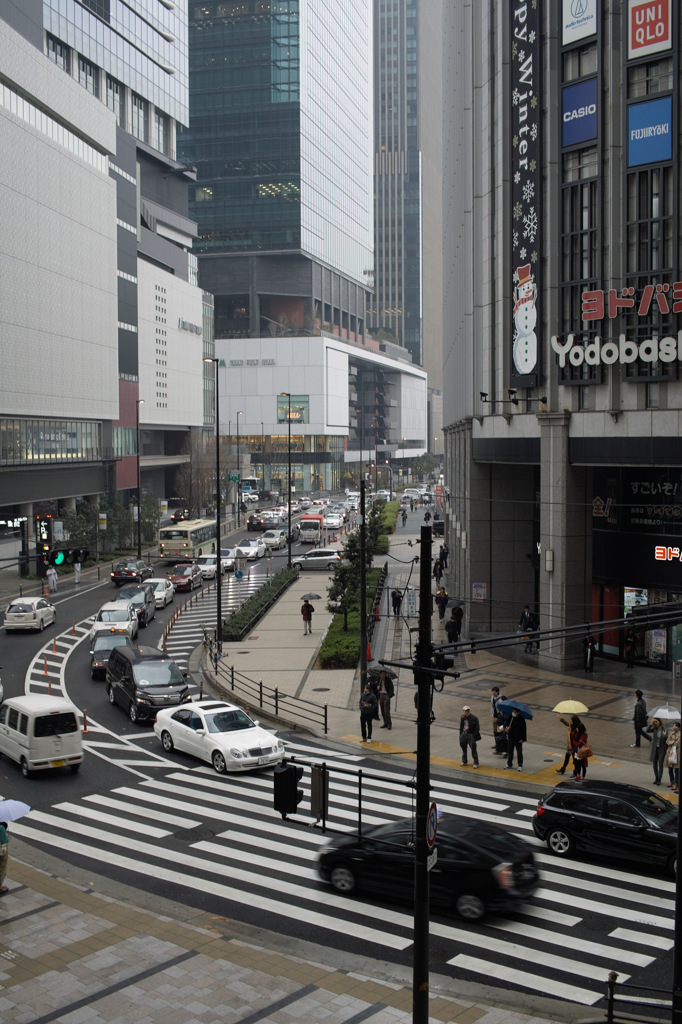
(307, 615)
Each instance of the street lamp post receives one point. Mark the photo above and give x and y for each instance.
(390, 470)
(218, 510)
(138, 403)
(285, 394)
(239, 517)
(262, 450)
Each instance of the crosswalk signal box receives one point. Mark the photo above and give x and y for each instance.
(287, 794)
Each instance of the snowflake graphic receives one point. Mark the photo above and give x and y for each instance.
(528, 191)
(534, 256)
(532, 164)
(522, 253)
(531, 36)
(533, 102)
(517, 211)
(515, 141)
(522, 56)
(530, 225)
(515, 97)
(515, 239)
(517, 177)
(533, 132)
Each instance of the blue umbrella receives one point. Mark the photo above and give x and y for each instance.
(508, 706)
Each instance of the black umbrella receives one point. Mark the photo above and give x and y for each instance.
(455, 602)
(376, 671)
(311, 597)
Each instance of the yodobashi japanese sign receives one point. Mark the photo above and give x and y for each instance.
(649, 27)
(526, 188)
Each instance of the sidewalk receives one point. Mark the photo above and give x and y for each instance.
(76, 948)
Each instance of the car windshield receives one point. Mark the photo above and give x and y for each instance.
(228, 721)
(159, 587)
(656, 810)
(113, 615)
(19, 607)
(126, 565)
(185, 570)
(107, 643)
(247, 543)
(206, 560)
(158, 673)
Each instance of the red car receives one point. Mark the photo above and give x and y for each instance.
(185, 576)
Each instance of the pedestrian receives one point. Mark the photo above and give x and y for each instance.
(630, 644)
(437, 572)
(51, 575)
(427, 517)
(441, 600)
(444, 555)
(640, 719)
(374, 685)
(569, 749)
(590, 644)
(503, 720)
(4, 856)
(494, 701)
(368, 703)
(525, 620)
(404, 517)
(76, 572)
(469, 735)
(411, 504)
(658, 748)
(530, 635)
(396, 600)
(386, 693)
(580, 749)
(672, 756)
(307, 616)
(453, 627)
(516, 737)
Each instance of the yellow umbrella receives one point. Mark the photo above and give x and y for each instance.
(571, 707)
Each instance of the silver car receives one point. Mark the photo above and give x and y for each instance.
(318, 558)
(29, 613)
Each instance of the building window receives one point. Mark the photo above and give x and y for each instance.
(59, 53)
(580, 256)
(88, 75)
(580, 62)
(138, 126)
(161, 131)
(645, 79)
(115, 96)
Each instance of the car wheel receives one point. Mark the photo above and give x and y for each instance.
(560, 842)
(469, 906)
(74, 767)
(343, 878)
(132, 713)
(144, 620)
(218, 762)
(25, 770)
(166, 741)
(332, 565)
(110, 694)
(297, 565)
(41, 627)
(672, 865)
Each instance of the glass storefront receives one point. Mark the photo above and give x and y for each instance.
(656, 648)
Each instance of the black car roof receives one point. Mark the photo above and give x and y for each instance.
(622, 789)
(138, 653)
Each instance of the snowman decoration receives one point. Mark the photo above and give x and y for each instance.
(525, 350)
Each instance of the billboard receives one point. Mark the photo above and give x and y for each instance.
(578, 20)
(300, 409)
(650, 131)
(649, 27)
(579, 112)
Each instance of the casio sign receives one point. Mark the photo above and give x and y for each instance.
(578, 112)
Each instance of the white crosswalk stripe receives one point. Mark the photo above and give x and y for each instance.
(202, 833)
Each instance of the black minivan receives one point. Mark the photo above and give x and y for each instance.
(142, 680)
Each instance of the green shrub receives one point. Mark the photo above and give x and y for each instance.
(389, 517)
(252, 611)
(381, 545)
(341, 648)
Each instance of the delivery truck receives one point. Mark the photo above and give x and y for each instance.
(311, 525)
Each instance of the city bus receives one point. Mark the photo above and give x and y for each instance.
(250, 484)
(188, 539)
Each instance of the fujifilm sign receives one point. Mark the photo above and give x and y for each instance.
(651, 350)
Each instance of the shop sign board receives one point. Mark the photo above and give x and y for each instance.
(579, 112)
(578, 20)
(650, 131)
(649, 27)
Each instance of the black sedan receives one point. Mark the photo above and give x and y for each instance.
(132, 571)
(102, 646)
(479, 867)
(255, 522)
(608, 819)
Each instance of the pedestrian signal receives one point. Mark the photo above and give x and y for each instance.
(287, 794)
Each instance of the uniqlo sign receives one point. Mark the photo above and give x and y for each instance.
(649, 27)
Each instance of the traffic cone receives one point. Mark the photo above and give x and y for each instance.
(54, 644)
(369, 652)
(376, 613)
(85, 721)
(45, 662)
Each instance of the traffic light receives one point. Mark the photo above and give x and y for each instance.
(80, 554)
(58, 557)
(287, 794)
(67, 556)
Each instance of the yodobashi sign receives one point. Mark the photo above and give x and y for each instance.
(649, 27)
(650, 131)
(651, 350)
(579, 112)
(579, 19)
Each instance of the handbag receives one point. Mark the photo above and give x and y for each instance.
(672, 755)
(584, 751)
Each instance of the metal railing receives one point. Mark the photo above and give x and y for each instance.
(269, 699)
(647, 1006)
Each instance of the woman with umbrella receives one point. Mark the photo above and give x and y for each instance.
(10, 810)
(657, 749)
(578, 740)
(574, 708)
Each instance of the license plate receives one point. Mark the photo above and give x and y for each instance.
(263, 760)
(57, 764)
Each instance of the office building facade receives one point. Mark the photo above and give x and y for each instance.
(561, 374)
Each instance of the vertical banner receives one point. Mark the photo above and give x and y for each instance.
(526, 189)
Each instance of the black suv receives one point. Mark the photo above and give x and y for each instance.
(609, 819)
(134, 570)
(142, 680)
(141, 597)
(255, 522)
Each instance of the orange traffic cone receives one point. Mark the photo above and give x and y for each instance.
(85, 721)
(369, 652)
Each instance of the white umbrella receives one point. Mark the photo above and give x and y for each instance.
(10, 810)
(665, 711)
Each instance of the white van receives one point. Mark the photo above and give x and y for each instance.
(41, 732)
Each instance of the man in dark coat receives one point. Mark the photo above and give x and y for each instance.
(640, 719)
(368, 706)
(386, 693)
(516, 737)
(469, 735)
(396, 600)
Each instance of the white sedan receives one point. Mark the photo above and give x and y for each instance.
(332, 521)
(228, 559)
(164, 591)
(219, 733)
(275, 539)
(209, 566)
(248, 548)
(29, 613)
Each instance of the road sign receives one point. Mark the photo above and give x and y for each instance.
(238, 575)
(431, 860)
(431, 825)
(233, 477)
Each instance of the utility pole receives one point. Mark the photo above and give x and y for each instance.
(363, 590)
(423, 681)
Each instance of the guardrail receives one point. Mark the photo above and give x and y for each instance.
(375, 614)
(272, 700)
(644, 1007)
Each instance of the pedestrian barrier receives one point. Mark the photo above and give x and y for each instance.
(272, 699)
(645, 1007)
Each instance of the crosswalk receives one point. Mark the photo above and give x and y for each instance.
(188, 830)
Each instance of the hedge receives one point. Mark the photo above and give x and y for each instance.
(240, 624)
(341, 648)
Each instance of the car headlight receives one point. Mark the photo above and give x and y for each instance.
(504, 873)
(280, 747)
(237, 754)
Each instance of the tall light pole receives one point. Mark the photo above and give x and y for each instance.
(262, 450)
(390, 470)
(218, 511)
(285, 394)
(239, 516)
(138, 403)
